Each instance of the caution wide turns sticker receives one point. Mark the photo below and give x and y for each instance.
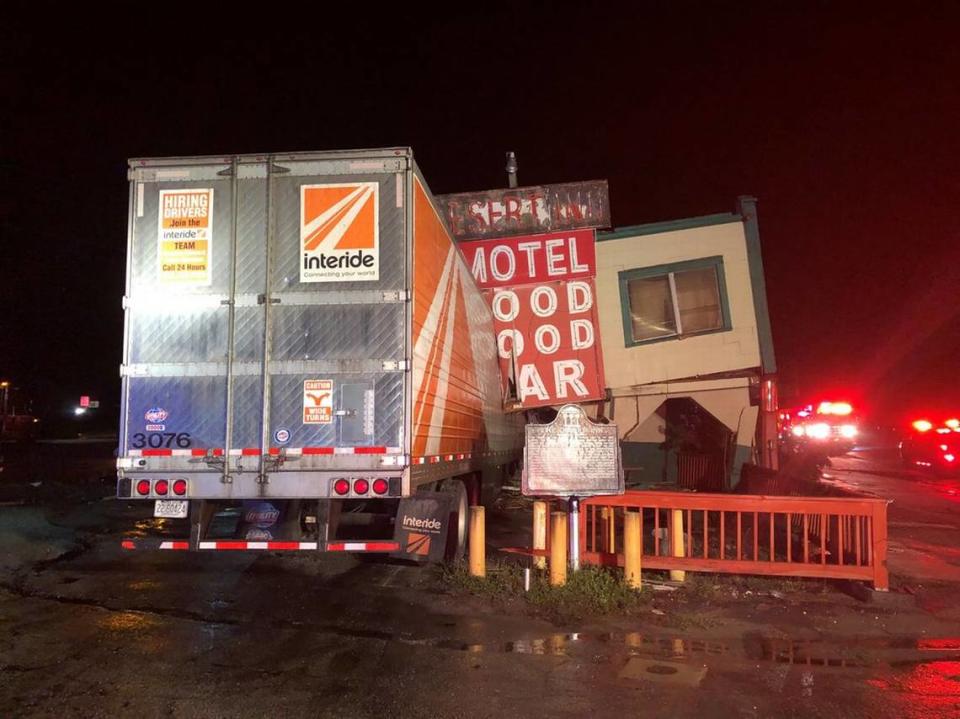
(185, 235)
(317, 401)
(340, 232)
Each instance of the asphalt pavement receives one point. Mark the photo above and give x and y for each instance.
(88, 630)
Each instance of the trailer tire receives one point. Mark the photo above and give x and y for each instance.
(459, 520)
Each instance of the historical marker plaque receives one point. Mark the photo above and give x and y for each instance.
(572, 457)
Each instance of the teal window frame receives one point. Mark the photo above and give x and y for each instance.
(625, 276)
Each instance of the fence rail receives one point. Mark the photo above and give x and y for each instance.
(829, 537)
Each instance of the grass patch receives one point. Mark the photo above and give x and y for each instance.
(590, 592)
(503, 581)
(712, 587)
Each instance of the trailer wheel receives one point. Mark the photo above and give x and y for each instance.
(460, 521)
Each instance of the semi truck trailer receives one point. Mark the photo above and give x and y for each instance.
(303, 343)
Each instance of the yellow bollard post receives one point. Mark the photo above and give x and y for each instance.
(540, 532)
(632, 549)
(558, 549)
(676, 544)
(478, 543)
(612, 530)
(607, 529)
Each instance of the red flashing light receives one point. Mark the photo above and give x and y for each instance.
(143, 487)
(840, 409)
(380, 486)
(341, 487)
(161, 487)
(180, 487)
(361, 486)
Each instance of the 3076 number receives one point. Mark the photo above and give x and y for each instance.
(156, 440)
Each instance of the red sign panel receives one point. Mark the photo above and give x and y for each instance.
(527, 210)
(534, 258)
(542, 293)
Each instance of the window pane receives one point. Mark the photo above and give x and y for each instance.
(651, 308)
(699, 300)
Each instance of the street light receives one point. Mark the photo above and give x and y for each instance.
(5, 386)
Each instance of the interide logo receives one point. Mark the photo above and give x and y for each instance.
(340, 232)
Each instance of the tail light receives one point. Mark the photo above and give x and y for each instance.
(341, 487)
(361, 486)
(180, 487)
(161, 487)
(380, 486)
(143, 487)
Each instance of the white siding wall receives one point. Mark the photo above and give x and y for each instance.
(673, 359)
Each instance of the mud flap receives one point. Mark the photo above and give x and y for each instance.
(423, 526)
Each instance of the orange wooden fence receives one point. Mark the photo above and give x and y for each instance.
(831, 537)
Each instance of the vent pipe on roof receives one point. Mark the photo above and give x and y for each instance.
(511, 169)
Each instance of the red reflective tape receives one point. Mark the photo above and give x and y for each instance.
(176, 545)
(250, 452)
(274, 451)
(369, 450)
(283, 545)
(382, 546)
(198, 452)
(363, 547)
(157, 452)
(218, 452)
(318, 450)
(127, 544)
(231, 545)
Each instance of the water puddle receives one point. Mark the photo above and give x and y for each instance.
(855, 653)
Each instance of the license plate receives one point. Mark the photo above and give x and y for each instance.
(172, 508)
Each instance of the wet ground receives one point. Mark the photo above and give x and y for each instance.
(87, 630)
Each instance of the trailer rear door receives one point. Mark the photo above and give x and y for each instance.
(266, 319)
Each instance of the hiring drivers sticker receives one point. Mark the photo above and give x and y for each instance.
(317, 401)
(340, 232)
(184, 236)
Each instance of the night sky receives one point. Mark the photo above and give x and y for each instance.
(845, 124)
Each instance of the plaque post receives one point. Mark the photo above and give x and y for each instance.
(574, 513)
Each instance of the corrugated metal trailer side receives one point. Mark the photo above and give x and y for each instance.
(458, 423)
